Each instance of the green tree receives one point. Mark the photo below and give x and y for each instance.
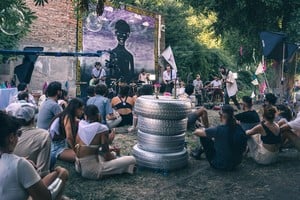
(15, 20)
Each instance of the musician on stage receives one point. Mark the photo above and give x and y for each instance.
(216, 85)
(98, 75)
(169, 77)
(230, 85)
(198, 85)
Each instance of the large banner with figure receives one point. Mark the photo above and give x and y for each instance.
(127, 35)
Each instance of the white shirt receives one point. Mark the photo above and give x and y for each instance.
(143, 77)
(295, 124)
(87, 131)
(216, 84)
(16, 175)
(99, 74)
(167, 75)
(230, 87)
(198, 84)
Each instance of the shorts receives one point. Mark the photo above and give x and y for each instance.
(57, 147)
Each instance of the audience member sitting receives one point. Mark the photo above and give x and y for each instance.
(22, 101)
(249, 118)
(265, 138)
(18, 178)
(63, 99)
(225, 144)
(102, 104)
(34, 143)
(197, 118)
(50, 108)
(22, 87)
(144, 90)
(123, 104)
(90, 92)
(92, 135)
(291, 131)
(270, 99)
(63, 130)
(284, 114)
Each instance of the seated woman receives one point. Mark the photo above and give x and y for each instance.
(124, 104)
(223, 145)
(63, 130)
(92, 135)
(18, 178)
(265, 138)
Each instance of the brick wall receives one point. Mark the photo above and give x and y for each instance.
(55, 30)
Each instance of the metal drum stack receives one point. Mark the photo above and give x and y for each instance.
(161, 132)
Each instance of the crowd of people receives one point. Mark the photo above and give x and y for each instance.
(82, 131)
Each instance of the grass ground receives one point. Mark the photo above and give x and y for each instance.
(196, 181)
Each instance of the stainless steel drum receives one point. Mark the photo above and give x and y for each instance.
(162, 108)
(164, 161)
(162, 126)
(160, 144)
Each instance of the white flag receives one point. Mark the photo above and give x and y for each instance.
(255, 82)
(169, 56)
(260, 69)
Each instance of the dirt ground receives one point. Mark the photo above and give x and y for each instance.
(196, 181)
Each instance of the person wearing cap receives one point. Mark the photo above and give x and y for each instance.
(124, 59)
(23, 98)
(50, 108)
(34, 143)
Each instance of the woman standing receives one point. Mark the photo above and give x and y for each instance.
(92, 135)
(63, 130)
(18, 177)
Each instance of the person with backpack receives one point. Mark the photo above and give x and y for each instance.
(224, 144)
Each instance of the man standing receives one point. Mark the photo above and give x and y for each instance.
(198, 84)
(169, 77)
(230, 86)
(50, 107)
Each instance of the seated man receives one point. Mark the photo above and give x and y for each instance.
(216, 86)
(23, 98)
(249, 118)
(34, 143)
(224, 144)
(291, 131)
(197, 118)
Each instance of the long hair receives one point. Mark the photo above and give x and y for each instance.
(70, 112)
(228, 113)
(9, 125)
